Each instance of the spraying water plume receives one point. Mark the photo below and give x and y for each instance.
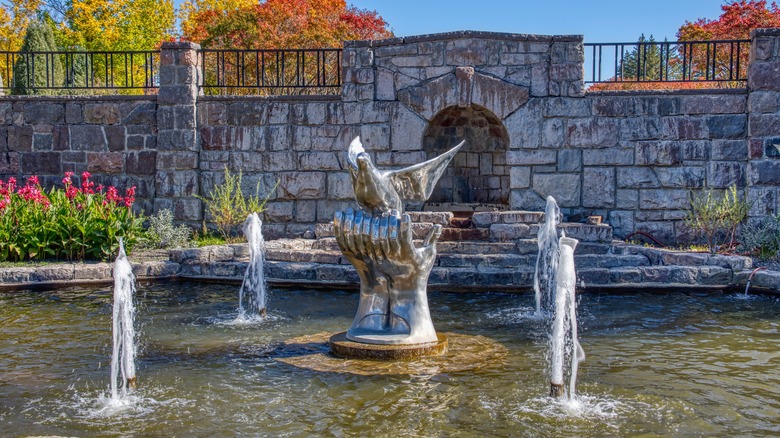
(123, 376)
(252, 290)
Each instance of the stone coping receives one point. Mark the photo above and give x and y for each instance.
(274, 98)
(445, 36)
(460, 267)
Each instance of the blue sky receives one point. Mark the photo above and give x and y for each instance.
(598, 20)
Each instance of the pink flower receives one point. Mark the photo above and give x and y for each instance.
(85, 175)
(33, 180)
(71, 192)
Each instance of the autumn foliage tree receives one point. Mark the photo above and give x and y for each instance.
(704, 62)
(274, 24)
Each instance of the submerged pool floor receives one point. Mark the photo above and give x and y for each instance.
(673, 364)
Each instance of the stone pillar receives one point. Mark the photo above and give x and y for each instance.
(177, 177)
(764, 121)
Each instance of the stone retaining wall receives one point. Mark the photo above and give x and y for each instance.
(632, 157)
(460, 267)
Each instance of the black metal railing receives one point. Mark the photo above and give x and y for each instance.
(271, 72)
(88, 72)
(724, 62)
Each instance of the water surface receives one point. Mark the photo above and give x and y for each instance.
(704, 364)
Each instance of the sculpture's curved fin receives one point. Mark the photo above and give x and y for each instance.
(416, 183)
(355, 148)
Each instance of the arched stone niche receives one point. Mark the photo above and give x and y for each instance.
(478, 174)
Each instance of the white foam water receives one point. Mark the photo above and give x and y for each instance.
(124, 349)
(547, 260)
(252, 295)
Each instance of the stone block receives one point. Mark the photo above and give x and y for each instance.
(164, 161)
(407, 129)
(608, 106)
(529, 157)
(763, 101)
(587, 233)
(466, 51)
(10, 163)
(763, 76)
(569, 160)
(683, 128)
(524, 125)
(102, 113)
(664, 199)
(600, 187)
(178, 183)
(657, 153)
(44, 112)
(640, 128)
(611, 156)
(715, 104)
(279, 161)
(726, 173)
(319, 161)
(764, 172)
(87, 138)
(727, 126)
(428, 98)
(566, 107)
(279, 211)
(340, 186)
(51, 273)
(596, 132)
(442, 218)
(636, 178)
(764, 125)
(694, 150)
(302, 185)
(20, 138)
(509, 232)
(188, 209)
(105, 162)
(498, 96)
(565, 188)
(682, 177)
(92, 271)
(41, 163)
(519, 177)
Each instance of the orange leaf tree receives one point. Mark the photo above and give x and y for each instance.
(274, 24)
(703, 62)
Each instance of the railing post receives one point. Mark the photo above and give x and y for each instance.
(763, 122)
(177, 175)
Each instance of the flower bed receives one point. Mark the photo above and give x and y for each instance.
(74, 223)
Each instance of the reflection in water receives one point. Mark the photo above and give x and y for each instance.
(678, 364)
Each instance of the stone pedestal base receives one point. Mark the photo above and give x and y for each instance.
(342, 347)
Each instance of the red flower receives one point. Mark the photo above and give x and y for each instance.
(33, 180)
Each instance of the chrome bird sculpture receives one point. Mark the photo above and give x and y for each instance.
(379, 191)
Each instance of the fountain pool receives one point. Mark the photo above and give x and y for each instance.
(672, 364)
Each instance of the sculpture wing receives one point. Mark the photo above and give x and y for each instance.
(416, 183)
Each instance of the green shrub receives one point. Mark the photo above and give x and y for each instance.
(37, 73)
(717, 217)
(229, 207)
(74, 223)
(762, 237)
(163, 234)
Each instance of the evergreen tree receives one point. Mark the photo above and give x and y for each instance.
(33, 69)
